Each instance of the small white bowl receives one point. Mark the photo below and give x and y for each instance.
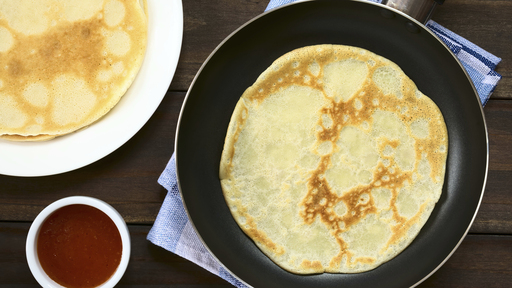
(31, 245)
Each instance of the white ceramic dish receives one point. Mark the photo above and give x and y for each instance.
(73, 151)
(31, 244)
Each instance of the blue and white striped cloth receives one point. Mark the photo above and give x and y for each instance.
(479, 63)
(172, 229)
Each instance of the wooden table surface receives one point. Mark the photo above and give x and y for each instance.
(127, 178)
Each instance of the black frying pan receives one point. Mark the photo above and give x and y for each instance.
(235, 65)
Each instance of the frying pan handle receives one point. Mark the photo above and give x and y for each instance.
(420, 10)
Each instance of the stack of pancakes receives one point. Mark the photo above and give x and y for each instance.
(65, 63)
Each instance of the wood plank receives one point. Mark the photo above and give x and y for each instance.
(477, 21)
(13, 262)
(206, 24)
(480, 261)
(495, 214)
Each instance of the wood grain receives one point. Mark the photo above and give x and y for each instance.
(495, 213)
(480, 261)
(487, 24)
(206, 24)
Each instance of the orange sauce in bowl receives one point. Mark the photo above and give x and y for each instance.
(79, 246)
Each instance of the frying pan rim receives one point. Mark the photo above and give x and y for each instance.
(256, 18)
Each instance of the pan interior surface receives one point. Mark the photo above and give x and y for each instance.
(235, 65)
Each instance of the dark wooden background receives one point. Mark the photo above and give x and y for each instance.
(127, 178)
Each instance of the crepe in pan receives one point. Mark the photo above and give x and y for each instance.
(333, 160)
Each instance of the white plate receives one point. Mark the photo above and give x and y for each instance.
(76, 150)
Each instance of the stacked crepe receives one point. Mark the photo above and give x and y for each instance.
(333, 160)
(65, 63)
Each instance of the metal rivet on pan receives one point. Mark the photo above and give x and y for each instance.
(387, 13)
(411, 27)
